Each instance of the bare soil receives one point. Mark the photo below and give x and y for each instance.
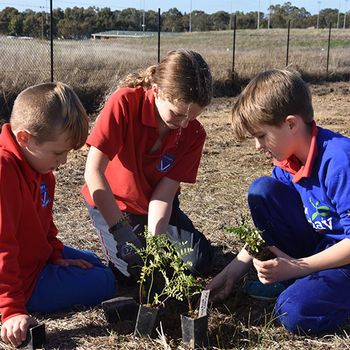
(213, 203)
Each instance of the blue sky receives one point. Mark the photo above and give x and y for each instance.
(208, 6)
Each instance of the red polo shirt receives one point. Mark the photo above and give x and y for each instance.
(27, 232)
(125, 131)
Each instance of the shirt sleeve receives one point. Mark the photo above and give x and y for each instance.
(338, 187)
(12, 299)
(56, 244)
(186, 168)
(109, 131)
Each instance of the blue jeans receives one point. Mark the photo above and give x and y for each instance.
(60, 287)
(315, 303)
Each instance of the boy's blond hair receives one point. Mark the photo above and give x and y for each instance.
(48, 109)
(269, 98)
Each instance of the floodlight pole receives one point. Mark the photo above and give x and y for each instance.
(318, 15)
(143, 17)
(345, 8)
(338, 19)
(42, 21)
(269, 18)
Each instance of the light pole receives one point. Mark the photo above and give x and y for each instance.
(143, 17)
(345, 9)
(338, 19)
(269, 18)
(318, 15)
(258, 25)
(42, 21)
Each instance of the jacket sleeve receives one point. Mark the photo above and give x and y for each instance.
(337, 181)
(12, 299)
(56, 244)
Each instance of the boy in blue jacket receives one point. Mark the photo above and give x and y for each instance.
(303, 209)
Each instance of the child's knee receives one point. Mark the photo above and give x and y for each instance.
(300, 315)
(109, 283)
(261, 186)
(289, 313)
(102, 285)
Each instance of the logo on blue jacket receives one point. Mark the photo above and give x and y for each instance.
(166, 162)
(45, 199)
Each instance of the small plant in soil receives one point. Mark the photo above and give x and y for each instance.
(252, 239)
(163, 276)
(163, 270)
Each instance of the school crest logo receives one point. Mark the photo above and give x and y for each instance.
(166, 162)
(45, 198)
(321, 220)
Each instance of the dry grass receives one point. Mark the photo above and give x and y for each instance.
(213, 203)
(92, 66)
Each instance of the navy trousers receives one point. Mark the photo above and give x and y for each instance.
(62, 287)
(318, 302)
(180, 230)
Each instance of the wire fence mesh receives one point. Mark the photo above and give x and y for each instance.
(93, 66)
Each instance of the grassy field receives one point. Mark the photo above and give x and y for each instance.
(92, 67)
(213, 203)
(227, 167)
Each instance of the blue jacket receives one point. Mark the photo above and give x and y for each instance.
(326, 192)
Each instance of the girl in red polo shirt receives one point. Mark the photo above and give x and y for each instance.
(146, 141)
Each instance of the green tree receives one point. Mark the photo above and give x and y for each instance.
(16, 25)
(220, 20)
(32, 24)
(200, 21)
(246, 21)
(129, 19)
(172, 20)
(280, 14)
(152, 20)
(5, 17)
(104, 20)
(327, 16)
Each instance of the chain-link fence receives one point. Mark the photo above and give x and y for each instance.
(92, 66)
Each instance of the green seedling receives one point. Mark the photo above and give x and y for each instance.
(163, 272)
(252, 239)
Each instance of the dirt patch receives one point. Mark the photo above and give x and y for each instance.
(213, 203)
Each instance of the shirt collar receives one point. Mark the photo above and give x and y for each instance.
(149, 110)
(293, 165)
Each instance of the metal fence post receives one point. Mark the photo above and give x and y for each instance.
(51, 39)
(288, 36)
(234, 46)
(159, 25)
(329, 45)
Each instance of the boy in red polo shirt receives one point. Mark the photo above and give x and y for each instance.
(37, 272)
(146, 141)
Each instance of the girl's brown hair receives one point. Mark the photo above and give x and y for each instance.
(181, 76)
(269, 98)
(45, 110)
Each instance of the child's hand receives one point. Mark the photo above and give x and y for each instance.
(83, 264)
(282, 268)
(220, 287)
(14, 329)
